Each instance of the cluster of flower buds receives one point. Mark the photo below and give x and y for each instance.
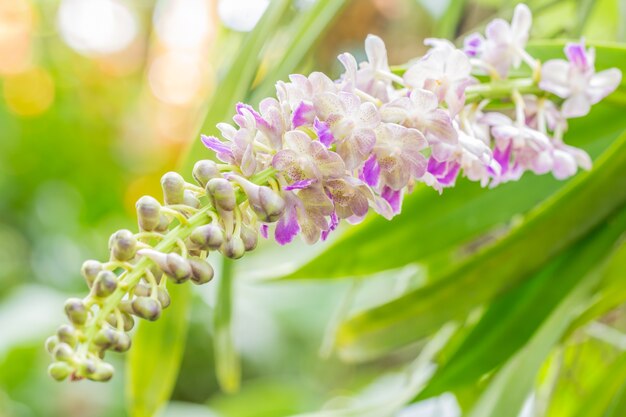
(325, 150)
(219, 213)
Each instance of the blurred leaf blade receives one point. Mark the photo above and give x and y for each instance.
(612, 290)
(606, 398)
(511, 320)
(156, 354)
(447, 25)
(509, 388)
(238, 79)
(309, 27)
(587, 200)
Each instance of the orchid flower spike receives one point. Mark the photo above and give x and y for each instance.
(326, 150)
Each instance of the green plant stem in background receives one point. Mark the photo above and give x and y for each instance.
(227, 359)
(238, 78)
(154, 361)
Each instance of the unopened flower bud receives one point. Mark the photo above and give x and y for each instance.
(51, 343)
(105, 338)
(205, 170)
(250, 237)
(127, 320)
(172, 264)
(87, 367)
(208, 236)
(222, 194)
(59, 370)
(76, 311)
(125, 307)
(173, 186)
(142, 289)
(105, 284)
(191, 200)
(148, 213)
(178, 268)
(202, 271)
(123, 343)
(67, 334)
(90, 270)
(164, 297)
(164, 224)
(63, 352)
(103, 372)
(265, 202)
(147, 308)
(123, 245)
(233, 248)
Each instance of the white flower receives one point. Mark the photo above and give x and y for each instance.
(577, 81)
(504, 43)
(445, 71)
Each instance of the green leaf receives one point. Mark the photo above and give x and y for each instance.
(447, 25)
(431, 227)
(511, 320)
(509, 388)
(307, 29)
(558, 222)
(238, 78)
(607, 397)
(154, 359)
(612, 290)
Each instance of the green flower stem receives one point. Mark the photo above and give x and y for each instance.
(501, 89)
(227, 362)
(133, 277)
(261, 178)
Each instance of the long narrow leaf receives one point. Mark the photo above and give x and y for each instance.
(512, 384)
(563, 219)
(308, 28)
(238, 77)
(154, 359)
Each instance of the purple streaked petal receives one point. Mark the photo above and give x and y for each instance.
(334, 222)
(577, 55)
(450, 177)
(303, 114)
(287, 227)
(394, 198)
(222, 149)
(264, 229)
(260, 121)
(323, 132)
(473, 44)
(299, 185)
(435, 167)
(371, 171)
(503, 158)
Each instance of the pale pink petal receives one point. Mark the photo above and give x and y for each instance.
(521, 22)
(604, 83)
(555, 77)
(376, 52)
(577, 105)
(498, 31)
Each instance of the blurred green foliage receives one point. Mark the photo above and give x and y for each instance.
(82, 136)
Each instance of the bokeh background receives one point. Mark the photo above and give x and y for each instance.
(98, 98)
